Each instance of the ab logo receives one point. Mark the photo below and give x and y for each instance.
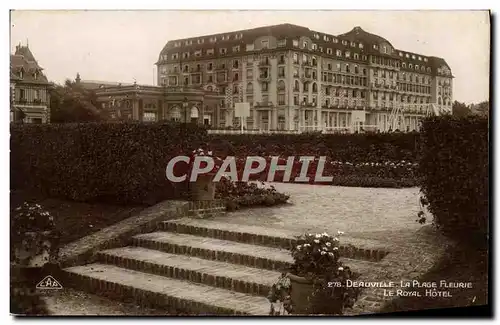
(49, 283)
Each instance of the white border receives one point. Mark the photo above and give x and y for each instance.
(199, 4)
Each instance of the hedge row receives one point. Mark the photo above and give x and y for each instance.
(377, 147)
(110, 162)
(125, 162)
(454, 169)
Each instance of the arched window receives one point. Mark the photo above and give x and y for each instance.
(439, 101)
(314, 87)
(281, 85)
(314, 62)
(175, 113)
(249, 87)
(296, 86)
(306, 86)
(327, 91)
(347, 68)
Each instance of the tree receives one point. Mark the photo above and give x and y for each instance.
(73, 103)
(460, 109)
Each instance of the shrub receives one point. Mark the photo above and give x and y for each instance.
(110, 162)
(454, 174)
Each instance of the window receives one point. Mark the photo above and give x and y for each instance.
(296, 99)
(265, 86)
(296, 86)
(295, 58)
(416, 66)
(410, 66)
(353, 44)
(329, 66)
(264, 44)
(329, 51)
(295, 43)
(186, 68)
(375, 46)
(360, 45)
(305, 45)
(407, 55)
(335, 40)
(282, 43)
(238, 36)
(236, 64)
(175, 56)
(281, 99)
(344, 42)
(384, 49)
(338, 53)
(356, 56)
(185, 55)
(295, 72)
(201, 41)
(225, 37)
(186, 81)
(314, 46)
(250, 47)
(210, 78)
(356, 69)
(197, 53)
(281, 71)
(281, 85)
(338, 66)
(213, 39)
(249, 73)
(314, 87)
(236, 77)
(347, 68)
(305, 86)
(403, 65)
(236, 48)
(347, 54)
(316, 36)
(249, 88)
(210, 52)
(223, 51)
(235, 89)
(177, 44)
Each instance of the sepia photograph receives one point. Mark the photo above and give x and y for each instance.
(250, 163)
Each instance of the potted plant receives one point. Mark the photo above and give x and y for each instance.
(34, 248)
(316, 280)
(203, 189)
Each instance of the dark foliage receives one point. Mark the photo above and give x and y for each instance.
(454, 174)
(108, 162)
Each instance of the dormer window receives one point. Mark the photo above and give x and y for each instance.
(338, 53)
(344, 42)
(407, 56)
(335, 40)
(314, 46)
(413, 57)
(197, 53)
(403, 65)
(425, 59)
(210, 52)
(360, 45)
(347, 54)
(428, 69)
(329, 51)
(201, 41)
(21, 73)
(326, 38)
(185, 55)
(177, 44)
(316, 36)
(213, 39)
(416, 66)
(225, 37)
(265, 44)
(353, 44)
(250, 47)
(282, 43)
(410, 66)
(305, 45)
(295, 43)
(223, 51)
(375, 46)
(238, 36)
(236, 48)
(35, 75)
(175, 56)
(401, 54)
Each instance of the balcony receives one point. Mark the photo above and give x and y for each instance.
(264, 63)
(264, 78)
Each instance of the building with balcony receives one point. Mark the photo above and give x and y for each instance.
(298, 79)
(29, 100)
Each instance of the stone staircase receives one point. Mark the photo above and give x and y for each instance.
(200, 266)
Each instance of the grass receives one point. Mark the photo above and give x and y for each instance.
(76, 219)
(462, 264)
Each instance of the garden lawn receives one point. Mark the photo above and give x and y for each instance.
(76, 219)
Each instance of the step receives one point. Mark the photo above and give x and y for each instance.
(254, 256)
(161, 292)
(262, 257)
(279, 238)
(214, 273)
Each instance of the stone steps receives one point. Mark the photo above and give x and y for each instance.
(219, 274)
(159, 291)
(350, 247)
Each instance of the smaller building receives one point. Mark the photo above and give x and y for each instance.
(29, 88)
(154, 103)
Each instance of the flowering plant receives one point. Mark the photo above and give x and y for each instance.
(316, 258)
(33, 234)
(200, 152)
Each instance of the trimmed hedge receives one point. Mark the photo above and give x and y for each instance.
(362, 147)
(107, 162)
(454, 169)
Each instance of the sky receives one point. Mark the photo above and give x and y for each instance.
(123, 46)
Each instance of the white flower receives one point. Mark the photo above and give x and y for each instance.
(335, 239)
(324, 234)
(340, 232)
(335, 248)
(323, 252)
(316, 241)
(328, 244)
(331, 254)
(309, 235)
(194, 151)
(324, 248)
(318, 235)
(210, 153)
(307, 245)
(299, 247)
(341, 268)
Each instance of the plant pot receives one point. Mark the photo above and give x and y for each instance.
(204, 188)
(301, 290)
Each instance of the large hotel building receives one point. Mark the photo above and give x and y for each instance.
(298, 79)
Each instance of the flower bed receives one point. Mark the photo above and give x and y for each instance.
(242, 194)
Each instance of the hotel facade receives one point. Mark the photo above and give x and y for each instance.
(298, 79)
